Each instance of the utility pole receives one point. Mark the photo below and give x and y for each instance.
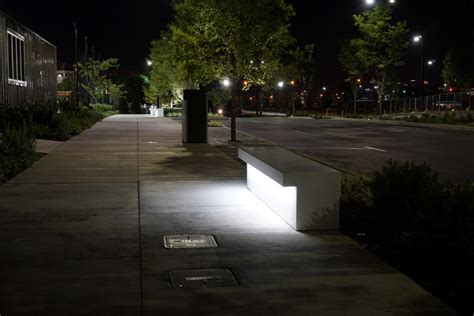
(76, 70)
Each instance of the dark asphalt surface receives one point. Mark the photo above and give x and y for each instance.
(366, 146)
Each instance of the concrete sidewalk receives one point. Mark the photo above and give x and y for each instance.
(81, 234)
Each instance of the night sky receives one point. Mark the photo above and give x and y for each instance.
(124, 29)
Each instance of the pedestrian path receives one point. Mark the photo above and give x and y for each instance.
(81, 233)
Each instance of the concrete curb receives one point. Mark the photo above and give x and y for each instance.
(402, 123)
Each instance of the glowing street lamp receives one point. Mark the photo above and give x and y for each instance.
(419, 39)
(281, 84)
(226, 83)
(149, 63)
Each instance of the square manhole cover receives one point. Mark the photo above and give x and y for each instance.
(200, 278)
(189, 241)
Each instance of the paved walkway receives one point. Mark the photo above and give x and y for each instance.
(81, 234)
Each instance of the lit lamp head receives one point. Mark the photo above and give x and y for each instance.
(226, 83)
(417, 38)
(281, 84)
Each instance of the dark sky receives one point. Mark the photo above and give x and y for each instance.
(124, 28)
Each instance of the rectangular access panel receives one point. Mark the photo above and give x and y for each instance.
(194, 116)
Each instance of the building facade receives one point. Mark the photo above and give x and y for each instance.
(27, 64)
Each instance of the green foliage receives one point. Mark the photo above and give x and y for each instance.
(173, 112)
(406, 206)
(380, 46)
(450, 118)
(211, 39)
(58, 121)
(352, 66)
(99, 86)
(105, 109)
(214, 124)
(458, 69)
(17, 151)
(134, 86)
(67, 84)
(356, 203)
(167, 76)
(405, 196)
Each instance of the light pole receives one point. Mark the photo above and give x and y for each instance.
(281, 84)
(430, 63)
(76, 69)
(418, 39)
(233, 133)
(292, 84)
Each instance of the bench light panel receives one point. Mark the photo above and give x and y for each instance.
(279, 198)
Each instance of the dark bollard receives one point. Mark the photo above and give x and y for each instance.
(194, 116)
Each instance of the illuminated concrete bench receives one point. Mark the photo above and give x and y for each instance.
(302, 192)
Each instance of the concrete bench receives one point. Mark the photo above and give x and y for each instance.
(156, 112)
(302, 192)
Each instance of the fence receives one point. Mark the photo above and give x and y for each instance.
(438, 102)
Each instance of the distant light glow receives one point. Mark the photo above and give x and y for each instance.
(149, 62)
(370, 2)
(417, 38)
(281, 84)
(220, 111)
(226, 82)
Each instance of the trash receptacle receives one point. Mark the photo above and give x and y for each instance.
(194, 116)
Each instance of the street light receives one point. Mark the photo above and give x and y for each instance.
(226, 83)
(430, 63)
(281, 84)
(374, 2)
(149, 63)
(292, 84)
(419, 39)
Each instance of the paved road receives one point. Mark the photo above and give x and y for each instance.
(366, 146)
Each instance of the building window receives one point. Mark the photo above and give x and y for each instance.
(16, 59)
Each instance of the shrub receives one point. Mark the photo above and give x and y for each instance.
(405, 195)
(17, 151)
(214, 124)
(173, 112)
(356, 201)
(105, 109)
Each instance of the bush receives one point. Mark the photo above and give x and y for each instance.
(57, 121)
(214, 124)
(173, 112)
(17, 151)
(105, 109)
(418, 223)
(405, 197)
(356, 201)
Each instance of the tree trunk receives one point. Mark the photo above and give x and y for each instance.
(233, 130)
(258, 101)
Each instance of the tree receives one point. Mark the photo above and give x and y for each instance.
(97, 83)
(353, 68)
(167, 73)
(380, 47)
(227, 38)
(458, 69)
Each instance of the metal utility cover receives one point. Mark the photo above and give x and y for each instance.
(202, 278)
(189, 241)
